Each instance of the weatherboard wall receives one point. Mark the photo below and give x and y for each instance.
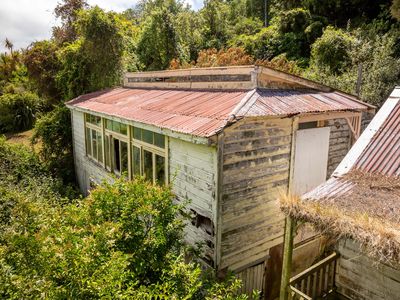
(256, 161)
(361, 278)
(192, 172)
(339, 143)
(194, 179)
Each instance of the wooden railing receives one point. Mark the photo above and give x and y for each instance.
(316, 282)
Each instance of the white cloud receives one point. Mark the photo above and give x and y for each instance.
(26, 21)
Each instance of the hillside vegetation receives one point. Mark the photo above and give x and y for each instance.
(125, 239)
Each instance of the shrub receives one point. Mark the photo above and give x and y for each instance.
(18, 111)
(123, 241)
(332, 50)
(53, 132)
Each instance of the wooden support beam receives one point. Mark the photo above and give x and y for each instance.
(287, 258)
(354, 123)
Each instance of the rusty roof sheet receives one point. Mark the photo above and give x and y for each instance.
(382, 154)
(291, 102)
(205, 112)
(378, 157)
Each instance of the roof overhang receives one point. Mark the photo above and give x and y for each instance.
(168, 132)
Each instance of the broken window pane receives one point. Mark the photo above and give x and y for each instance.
(148, 165)
(124, 157)
(116, 156)
(160, 169)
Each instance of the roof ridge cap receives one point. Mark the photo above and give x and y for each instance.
(240, 105)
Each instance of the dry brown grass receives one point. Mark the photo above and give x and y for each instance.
(22, 138)
(359, 216)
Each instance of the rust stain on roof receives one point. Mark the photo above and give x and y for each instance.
(382, 154)
(205, 112)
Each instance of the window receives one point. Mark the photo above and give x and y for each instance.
(116, 144)
(148, 155)
(94, 141)
(145, 152)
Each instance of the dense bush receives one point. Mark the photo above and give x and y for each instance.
(332, 50)
(124, 241)
(53, 133)
(18, 111)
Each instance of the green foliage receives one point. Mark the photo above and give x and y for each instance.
(89, 63)
(380, 69)
(332, 50)
(215, 30)
(339, 12)
(395, 9)
(18, 111)
(159, 41)
(295, 20)
(42, 65)
(53, 132)
(67, 11)
(123, 241)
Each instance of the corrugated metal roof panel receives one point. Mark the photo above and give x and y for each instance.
(205, 112)
(286, 102)
(382, 154)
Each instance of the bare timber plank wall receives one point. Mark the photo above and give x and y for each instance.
(255, 169)
(360, 278)
(193, 177)
(339, 143)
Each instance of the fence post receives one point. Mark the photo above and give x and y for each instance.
(287, 258)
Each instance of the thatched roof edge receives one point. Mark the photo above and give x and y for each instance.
(378, 239)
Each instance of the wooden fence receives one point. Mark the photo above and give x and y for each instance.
(318, 281)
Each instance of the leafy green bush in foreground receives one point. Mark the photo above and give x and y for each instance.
(124, 241)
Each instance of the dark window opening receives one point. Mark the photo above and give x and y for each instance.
(117, 160)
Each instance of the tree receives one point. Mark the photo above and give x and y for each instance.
(43, 64)
(53, 132)
(95, 60)
(123, 241)
(215, 15)
(159, 41)
(332, 50)
(67, 11)
(9, 45)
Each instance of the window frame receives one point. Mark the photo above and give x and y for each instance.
(131, 142)
(98, 130)
(154, 150)
(112, 135)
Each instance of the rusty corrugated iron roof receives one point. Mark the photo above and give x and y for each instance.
(291, 102)
(382, 154)
(376, 154)
(205, 112)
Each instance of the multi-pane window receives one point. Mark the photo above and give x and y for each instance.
(116, 145)
(148, 155)
(94, 142)
(147, 148)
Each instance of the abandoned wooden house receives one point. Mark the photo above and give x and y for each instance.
(359, 209)
(229, 139)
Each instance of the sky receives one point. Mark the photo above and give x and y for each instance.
(26, 21)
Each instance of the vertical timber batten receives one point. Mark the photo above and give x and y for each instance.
(287, 258)
(219, 185)
(289, 223)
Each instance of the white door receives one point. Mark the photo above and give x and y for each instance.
(311, 159)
